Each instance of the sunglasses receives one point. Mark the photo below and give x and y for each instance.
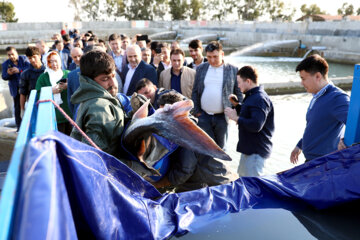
(212, 47)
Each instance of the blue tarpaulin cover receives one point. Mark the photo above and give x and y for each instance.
(70, 190)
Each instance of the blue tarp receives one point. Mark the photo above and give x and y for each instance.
(69, 190)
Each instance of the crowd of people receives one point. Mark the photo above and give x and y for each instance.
(93, 80)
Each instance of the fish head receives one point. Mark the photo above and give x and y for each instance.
(173, 123)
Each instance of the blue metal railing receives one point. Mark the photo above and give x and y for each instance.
(352, 131)
(36, 121)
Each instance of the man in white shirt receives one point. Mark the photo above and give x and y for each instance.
(214, 82)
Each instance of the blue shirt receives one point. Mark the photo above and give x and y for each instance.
(317, 95)
(176, 81)
(325, 122)
(118, 60)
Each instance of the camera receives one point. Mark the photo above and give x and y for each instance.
(158, 50)
(142, 38)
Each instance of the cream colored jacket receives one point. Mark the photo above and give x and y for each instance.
(186, 81)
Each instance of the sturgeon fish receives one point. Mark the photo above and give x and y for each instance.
(173, 123)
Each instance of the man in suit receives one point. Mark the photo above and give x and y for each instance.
(195, 51)
(214, 82)
(136, 70)
(75, 54)
(178, 77)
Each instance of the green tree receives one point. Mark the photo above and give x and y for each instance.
(217, 9)
(251, 9)
(160, 8)
(92, 9)
(7, 13)
(279, 11)
(195, 9)
(311, 10)
(76, 5)
(86, 9)
(114, 9)
(358, 11)
(178, 9)
(145, 9)
(346, 9)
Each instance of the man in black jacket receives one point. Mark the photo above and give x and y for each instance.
(255, 119)
(29, 77)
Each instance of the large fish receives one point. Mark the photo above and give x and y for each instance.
(173, 123)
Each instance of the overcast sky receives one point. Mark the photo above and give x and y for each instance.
(59, 11)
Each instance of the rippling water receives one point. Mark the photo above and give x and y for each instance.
(282, 69)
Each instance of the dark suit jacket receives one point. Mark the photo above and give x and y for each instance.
(190, 65)
(143, 70)
(73, 85)
(159, 69)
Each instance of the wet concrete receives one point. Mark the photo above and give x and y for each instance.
(6, 146)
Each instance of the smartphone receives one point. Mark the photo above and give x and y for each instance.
(142, 38)
(63, 80)
(158, 50)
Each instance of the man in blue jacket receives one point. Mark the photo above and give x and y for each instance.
(255, 118)
(11, 70)
(327, 113)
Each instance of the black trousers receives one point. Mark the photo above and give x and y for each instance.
(17, 111)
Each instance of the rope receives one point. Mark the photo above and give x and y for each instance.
(70, 120)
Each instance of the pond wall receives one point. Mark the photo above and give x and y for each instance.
(341, 38)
